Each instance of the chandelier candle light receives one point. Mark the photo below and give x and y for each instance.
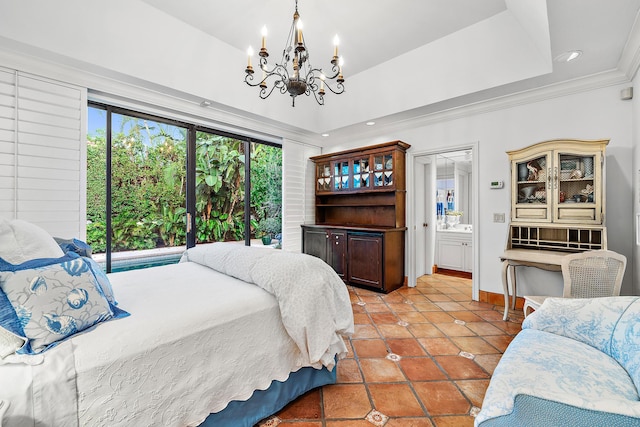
(294, 74)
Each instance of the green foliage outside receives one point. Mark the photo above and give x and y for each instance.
(149, 183)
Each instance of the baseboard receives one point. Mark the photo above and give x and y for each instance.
(498, 299)
(454, 273)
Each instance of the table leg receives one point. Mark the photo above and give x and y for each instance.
(514, 286)
(505, 288)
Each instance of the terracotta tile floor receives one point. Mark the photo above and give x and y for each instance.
(419, 357)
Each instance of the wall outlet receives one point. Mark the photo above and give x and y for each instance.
(498, 217)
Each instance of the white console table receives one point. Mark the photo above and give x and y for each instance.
(512, 258)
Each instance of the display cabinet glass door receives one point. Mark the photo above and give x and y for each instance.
(576, 189)
(323, 176)
(532, 188)
(361, 172)
(383, 170)
(341, 175)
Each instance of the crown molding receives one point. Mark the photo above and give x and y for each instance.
(552, 91)
(630, 58)
(125, 91)
(156, 100)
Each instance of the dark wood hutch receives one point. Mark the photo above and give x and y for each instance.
(360, 227)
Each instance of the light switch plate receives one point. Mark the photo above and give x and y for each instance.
(498, 217)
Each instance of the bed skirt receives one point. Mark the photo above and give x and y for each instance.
(264, 403)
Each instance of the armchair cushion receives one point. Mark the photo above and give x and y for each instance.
(589, 320)
(575, 359)
(548, 370)
(625, 342)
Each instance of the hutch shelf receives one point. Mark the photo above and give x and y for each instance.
(360, 215)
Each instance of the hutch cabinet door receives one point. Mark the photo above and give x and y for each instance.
(361, 167)
(578, 187)
(383, 170)
(337, 252)
(531, 187)
(365, 259)
(341, 178)
(314, 242)
(323, 177)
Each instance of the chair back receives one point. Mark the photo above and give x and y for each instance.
(593, 274)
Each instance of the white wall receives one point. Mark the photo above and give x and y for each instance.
(594, 114)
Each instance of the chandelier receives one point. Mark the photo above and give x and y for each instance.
(294, 74)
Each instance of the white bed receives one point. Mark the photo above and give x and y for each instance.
(196, 340)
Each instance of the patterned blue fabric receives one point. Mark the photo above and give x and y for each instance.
(589, 320)
(612, 325)
(103, 280)
(583, 353)
(74, 245)
(101, 277)
(625, 343)
(51, 299)
(532, 411)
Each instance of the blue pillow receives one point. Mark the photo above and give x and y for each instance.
(101, 277)
(103, 280)
(51, 299)
(74, 245)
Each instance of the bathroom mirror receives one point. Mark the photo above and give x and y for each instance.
(453, 184)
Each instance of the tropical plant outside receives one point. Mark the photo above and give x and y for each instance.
(148, 180)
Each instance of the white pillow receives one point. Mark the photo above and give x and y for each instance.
(21, 241)
(9, 343)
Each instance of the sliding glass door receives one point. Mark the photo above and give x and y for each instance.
(220, 188)
(148, 184)
(156, 186)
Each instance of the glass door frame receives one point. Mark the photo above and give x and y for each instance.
(190, 196)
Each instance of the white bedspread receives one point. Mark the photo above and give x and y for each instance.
(314, 301)
(196, 340)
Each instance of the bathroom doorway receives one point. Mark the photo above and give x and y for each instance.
(443, 181)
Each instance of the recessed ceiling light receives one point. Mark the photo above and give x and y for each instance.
(568, 56)
(325, 134)
(370, 123)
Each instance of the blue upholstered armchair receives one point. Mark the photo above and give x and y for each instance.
(576, 362)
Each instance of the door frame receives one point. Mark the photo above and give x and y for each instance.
(412, 244)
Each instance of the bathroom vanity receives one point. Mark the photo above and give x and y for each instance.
(455, 248)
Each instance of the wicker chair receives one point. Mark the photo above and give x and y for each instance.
(590, 274)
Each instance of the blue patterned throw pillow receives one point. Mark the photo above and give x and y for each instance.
(74, 245)
(103, 280)
(52, 299)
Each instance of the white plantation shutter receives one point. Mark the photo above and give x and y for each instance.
(298, 192)
(7, 143)
(42, 153)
